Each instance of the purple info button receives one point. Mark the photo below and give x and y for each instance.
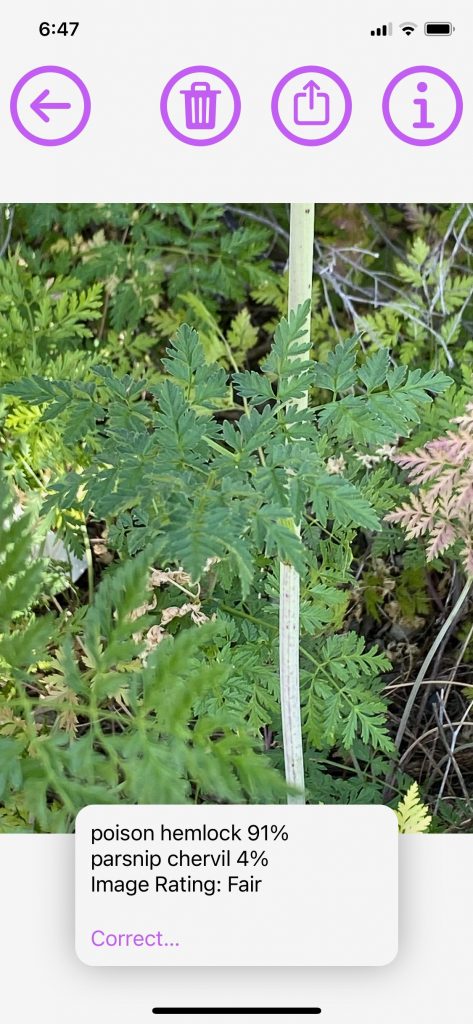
(422, 105)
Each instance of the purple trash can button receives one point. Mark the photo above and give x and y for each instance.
(200, 105)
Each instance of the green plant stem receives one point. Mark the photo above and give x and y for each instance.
(301, 249)
(90, 563)
(428, 659)
(31, 472)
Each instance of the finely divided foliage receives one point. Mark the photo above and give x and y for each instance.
(198, 509)
(163, 469)
(412, 815)
(124, 458)
(442, 507)
(150, 749)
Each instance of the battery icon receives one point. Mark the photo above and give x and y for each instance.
(438, 28)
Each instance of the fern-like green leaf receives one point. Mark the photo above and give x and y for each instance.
(413, 815)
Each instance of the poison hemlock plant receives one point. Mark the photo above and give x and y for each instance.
(108, 284)
(179, 487)
(101, 707)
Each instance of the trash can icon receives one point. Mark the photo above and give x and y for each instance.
(200, 105)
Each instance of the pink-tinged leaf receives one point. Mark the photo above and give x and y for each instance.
(467, 558)
(445, 485)
(443, 506)
(420, 467)
(465, 494)
(423, 474)
(441, 539)
(414, 462)
(413, 517)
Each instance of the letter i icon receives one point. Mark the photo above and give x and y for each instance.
(421, 102)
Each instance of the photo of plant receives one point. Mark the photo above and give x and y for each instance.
(236, 525)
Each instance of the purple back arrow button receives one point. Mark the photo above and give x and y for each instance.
(31, 106)
(40, 106)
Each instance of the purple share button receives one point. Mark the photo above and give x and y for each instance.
(311, 105)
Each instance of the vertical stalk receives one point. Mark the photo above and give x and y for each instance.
(429, 658)
(301, 250)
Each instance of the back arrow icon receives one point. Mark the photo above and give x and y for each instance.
(40, 107)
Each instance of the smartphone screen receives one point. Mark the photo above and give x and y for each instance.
(236, 512)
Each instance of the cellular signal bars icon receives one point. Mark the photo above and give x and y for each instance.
(383, 30)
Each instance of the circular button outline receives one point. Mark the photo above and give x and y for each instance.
(419, 69)
(56, 70)
(310, 69)
(206, 70)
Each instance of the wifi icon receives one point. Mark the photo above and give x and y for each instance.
(408, 27)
